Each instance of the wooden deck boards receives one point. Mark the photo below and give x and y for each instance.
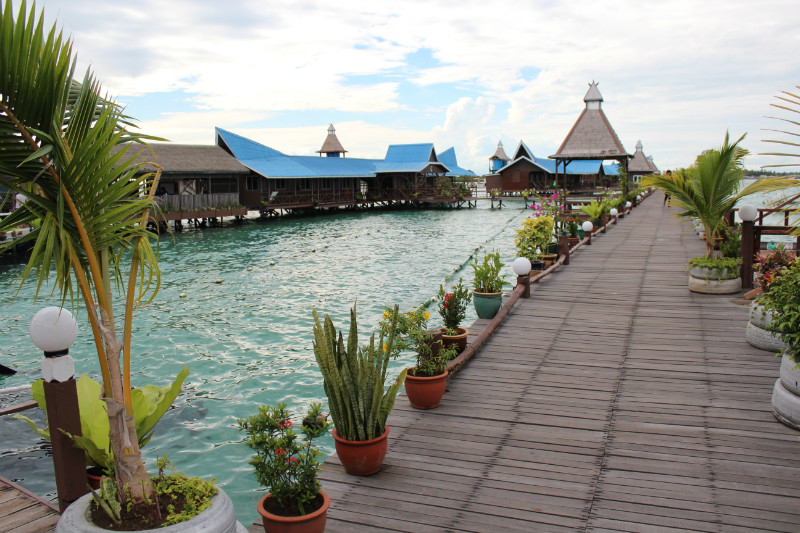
(611, 400)
(23, 512)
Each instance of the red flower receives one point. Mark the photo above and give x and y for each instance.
(292, 460)
(280, 451)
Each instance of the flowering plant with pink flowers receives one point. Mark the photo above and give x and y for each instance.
(548, 206)
(284, 464)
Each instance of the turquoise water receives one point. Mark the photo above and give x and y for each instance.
(247, 339)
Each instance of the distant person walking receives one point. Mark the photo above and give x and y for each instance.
(668, 175)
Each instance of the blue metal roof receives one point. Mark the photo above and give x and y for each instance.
(448, 157)
(407, 153)
(274, 164)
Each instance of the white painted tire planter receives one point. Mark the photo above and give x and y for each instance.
(759, 333)
(785, 405)
(790, 378)
(219, 518)
(763, 339)
(714, 286)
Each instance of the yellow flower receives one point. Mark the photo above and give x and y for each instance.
(385, 347)
(427, 315)
(386, 314)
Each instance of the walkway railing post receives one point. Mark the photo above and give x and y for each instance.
(748, 214)
(53, 331)
(587, 231)
(563, 247)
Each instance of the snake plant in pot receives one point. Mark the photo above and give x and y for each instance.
(355, 384)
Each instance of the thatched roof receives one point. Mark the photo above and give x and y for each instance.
(500, 153)
(592, 136)
(331, 144)
(188, 159)
(640, 164)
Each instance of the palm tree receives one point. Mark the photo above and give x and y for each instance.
(789, 102)
(65, 148)
(711, 187)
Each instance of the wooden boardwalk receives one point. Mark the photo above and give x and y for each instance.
(611, 400)
(23, 512)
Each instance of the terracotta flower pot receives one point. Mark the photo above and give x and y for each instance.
(425, 392)
(459, 341)
(362, 457)
(313, 522)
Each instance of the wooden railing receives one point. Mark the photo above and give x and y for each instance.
(170, 203)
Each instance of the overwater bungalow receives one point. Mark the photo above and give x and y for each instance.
(641, 165)
(409, 173)
(579, 164)
(197, 181)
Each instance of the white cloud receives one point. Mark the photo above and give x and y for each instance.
(675, 73)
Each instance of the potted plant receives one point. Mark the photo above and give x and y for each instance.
(354, 379)
(287, 467)
(573, 231)
(426, 381)
(453, 309)
(88, 220)
(488, 283)
(595, 211)
(532, 239)
(782, 300)
(760, 330)
(707, 191)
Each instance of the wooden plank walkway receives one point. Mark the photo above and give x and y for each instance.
(23, 512)
(611, 400)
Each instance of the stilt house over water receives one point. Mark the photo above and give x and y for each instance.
(640, 165)
(591, 138)
(576, 166)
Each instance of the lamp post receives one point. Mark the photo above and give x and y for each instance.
(614, 213)
(748, 213)
(587, 231)
(522, 268)
(53, 330)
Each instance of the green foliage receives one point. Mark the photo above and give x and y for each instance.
(453, 305)
(193, 492)
(624, 182)
(788, 102)
(711, 187)
(487, 277)
(769, 267)
(107, 499)
(149, 402)
(354, 377)
(731, 245)
(595, 209)
(783, 299)
(535, 235)
(286, 466)
(413, 335)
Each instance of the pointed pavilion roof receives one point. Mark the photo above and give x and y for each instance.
(500, 153)
(639, 163)
(592, 136)
(331, 144)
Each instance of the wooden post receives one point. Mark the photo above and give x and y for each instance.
(563, 247)
(748, 254)
(69, 462)
(525, 281)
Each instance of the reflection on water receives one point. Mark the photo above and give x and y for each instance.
(247, 338)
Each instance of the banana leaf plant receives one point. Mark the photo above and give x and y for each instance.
(65, 147)
(149, 405)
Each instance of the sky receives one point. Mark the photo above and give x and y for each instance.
(674, 74)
